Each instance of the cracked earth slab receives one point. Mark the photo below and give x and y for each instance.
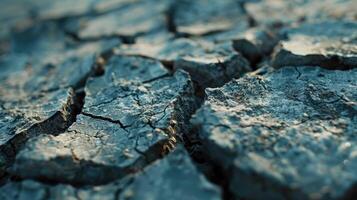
(209, 64)
(33, 12)
(127, 121)
(275, 13)
(287, 134)
(34, 66)
(37, 89)
(173, 177)
(25, 118)
(48, 39)
(205, 16)
(253, 44)
(122, 22)
(317, 44)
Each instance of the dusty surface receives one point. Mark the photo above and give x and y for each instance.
(319, 44)
(291, 130)
(177, 99)
(178, 179)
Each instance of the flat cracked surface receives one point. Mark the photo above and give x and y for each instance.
(280, 12)
(174, 177)
(205, 16)
(209, 64)
(291, 130)
(320, 44)
(178, 99)
(124, 124)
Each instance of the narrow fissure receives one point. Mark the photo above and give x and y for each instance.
(123, 38)
(170, 23)
(194, 146)
(105, 119)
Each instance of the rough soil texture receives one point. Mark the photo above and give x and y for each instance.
(178, 99)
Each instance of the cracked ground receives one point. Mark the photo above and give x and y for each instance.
(178, 99)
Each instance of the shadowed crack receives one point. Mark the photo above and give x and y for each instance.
(106, 119)
(123, 38)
